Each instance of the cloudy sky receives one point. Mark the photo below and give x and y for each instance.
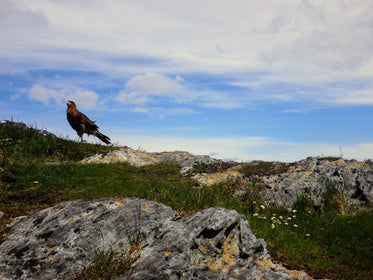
(243, 80)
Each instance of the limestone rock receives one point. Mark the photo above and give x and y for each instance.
(139, 158)
(217, 177)
(310, 176)
(185, 160)
(213, 244)
(125, 154)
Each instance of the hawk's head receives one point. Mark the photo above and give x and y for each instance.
(70, 104)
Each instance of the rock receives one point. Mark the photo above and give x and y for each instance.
(139, 158)
(212, 244)
(125, 154)
(310, 177)
(185, 160)
(217, 177)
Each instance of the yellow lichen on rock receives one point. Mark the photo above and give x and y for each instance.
(338, 162)
(268, 265)
(219, 177)
(299, 168)
(223, 261)
(306, 174)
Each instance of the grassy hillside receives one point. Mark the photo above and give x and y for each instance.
(38, 171)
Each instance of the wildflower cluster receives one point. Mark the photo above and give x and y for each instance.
(278, 220)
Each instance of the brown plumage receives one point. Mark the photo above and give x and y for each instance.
(82, 124)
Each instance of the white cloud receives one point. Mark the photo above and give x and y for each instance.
(141, 88)
(155, 84)
(353, 97)
(324, 40)
(141, 110)
(298, 40)
(131, 98)
(17, 19)
(45, 95)
(301, 42)
(147, 88)
(86, 99)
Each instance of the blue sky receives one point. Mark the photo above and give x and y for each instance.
(242, 80)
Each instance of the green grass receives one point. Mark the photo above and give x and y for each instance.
(28, 145)
(263, 168)
(332, 243)
(108, 264)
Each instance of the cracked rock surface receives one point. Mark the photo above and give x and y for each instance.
(354, 179)
(212, 244)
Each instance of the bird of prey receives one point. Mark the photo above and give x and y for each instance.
(82, 124)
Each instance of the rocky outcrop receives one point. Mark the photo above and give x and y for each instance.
(212, 244)
(139, 158)
(309, 177)
(306, 177)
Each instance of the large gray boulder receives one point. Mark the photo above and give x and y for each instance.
(310, 177)
(212, 244)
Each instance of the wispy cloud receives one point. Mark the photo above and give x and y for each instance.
(44, 95)
(149, 88)
(141, 88)
(295, 41)
(85, 98)
(292, 44)
(141, 110)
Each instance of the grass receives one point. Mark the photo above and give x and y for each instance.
(324, 243)
(108, 264)
(263, 168)
(29, 145)
(38, 171)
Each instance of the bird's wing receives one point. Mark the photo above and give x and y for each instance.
(84, 119)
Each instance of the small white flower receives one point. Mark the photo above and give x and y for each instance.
(295, 225)
(294, 211)
(308, 235)
(255, 214)
(280, 217)
(262, 206)
(289, 218)
(272, 226)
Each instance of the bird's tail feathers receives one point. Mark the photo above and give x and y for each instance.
(102, 137)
